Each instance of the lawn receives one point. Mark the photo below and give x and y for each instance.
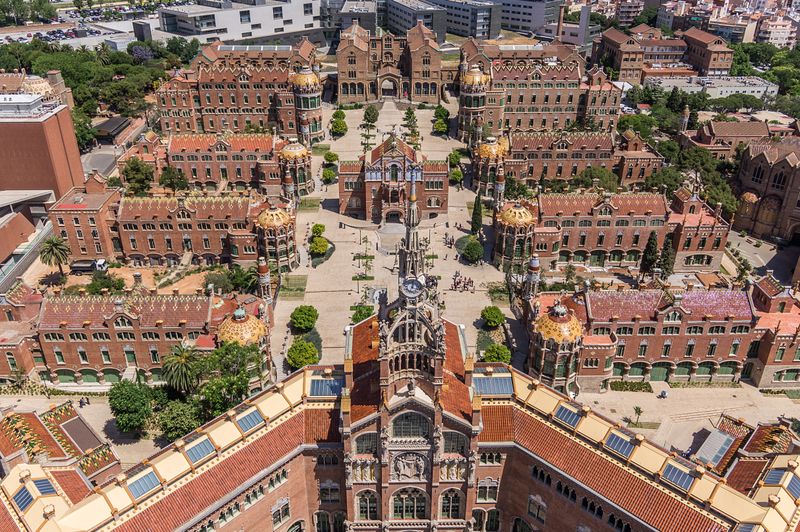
(293, 286)
(320, 149)
(309, 204)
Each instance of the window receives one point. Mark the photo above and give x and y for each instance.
(717, 329)
(487, 490)
(123, 323)
(327, 460)
(200, 451)
(410, 425)
(308, 9)
(409, 503)
(521, 526)
(740, 329)
(694, 330)
(367, 505)
(323, 523)
(455, 443)
(537, 508)
(367, 443)
(280, 512)
(673, 316)
(143, 485)
(647, 331)
(328, 492)
(451, 505)
(491, 458)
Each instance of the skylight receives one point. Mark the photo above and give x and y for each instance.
(619, 445)
(44, 486)
(326, 387)
(143, 485)
(23, 498)
(249, 421)
(200, 451)
(794, 487)
(493, 385)
(567, 416)
(678, 477)
(774, 476)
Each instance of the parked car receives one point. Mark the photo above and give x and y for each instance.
(79, 267)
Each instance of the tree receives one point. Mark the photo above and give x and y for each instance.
(104, 281)
(84, 132)
(361, 313)
(302, 353)
(328, 175)
(638, 411)
(173, 179)
(649, 16)
(130, 404)
(569, 274)
(441, 113)
(440, 127)
(243, 280)
(743, 270)
(607, 179)
(138, 176)
(669, 149)
(331, 157)
(317, 229)
(454, 159)
(674, 100)
(338, 115)
(497, 353)
(367, 125)
(338, 127)
(650, 255)
(220, 280)
(666, 262)
(517, 189)
(412, 129)
(456, 176)
(642, 124)
(668, 176)
(319, 246)
(55, 252)
(303, 318)
(178, 419)
(477, 215)
(181, 369)
(370, 115)
(220, 394)
(78, 4)
(492, 316)
(473, 251)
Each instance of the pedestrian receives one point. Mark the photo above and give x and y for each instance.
(87, 400)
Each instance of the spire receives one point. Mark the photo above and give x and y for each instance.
(412, 250)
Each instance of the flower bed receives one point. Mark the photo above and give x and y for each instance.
(631, 386)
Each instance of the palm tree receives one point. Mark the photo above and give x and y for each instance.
(638, 411)
(103, 53)
(55, 252)
(244, 280)
(181, 368)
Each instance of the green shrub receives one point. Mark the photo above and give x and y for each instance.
(338, 114)
(319, 246)
(303, 318)
(301, 354)
(492, 316)
(362, 312)
(331, 157)
(497, 353)
(631, 386)
(328, 175)
(317, 229)
(473, 251)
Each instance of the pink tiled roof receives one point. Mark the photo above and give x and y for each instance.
(625, 304)
(544, 141)
(635, 204)
(238, 142)
(230, 207)
(718, 304)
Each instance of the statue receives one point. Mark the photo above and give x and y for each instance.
(409, 466)
(385, 445)
(348, 471)
(438, 445)
(473, 462)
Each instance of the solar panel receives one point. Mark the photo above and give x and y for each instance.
(714, 448)
(200, 451)
(794, 487)
(678, 477)
(619, 445)
(493, 385)
(143, 485)
(23, 498)
(774, 476)
(746, 527)
(44, 486)
(326, 387)
(249, 421)
(567, 416)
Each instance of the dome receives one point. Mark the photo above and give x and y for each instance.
(242, 328)
(305, 78)
(559, 325)
(517, 215)
(294, 150)
(475, 77)
(629, 134)
(749, 197)
(37, 85)
(492, 148)
(273, 217)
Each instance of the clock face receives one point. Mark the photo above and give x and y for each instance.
(412, 288)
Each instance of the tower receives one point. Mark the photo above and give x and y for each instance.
(499, 187)
(308, 105)
(412, 250)
(532, 279)
(264, 286)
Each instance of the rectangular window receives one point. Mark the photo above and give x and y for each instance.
(277, 12)
(779, 354)
(106, 355)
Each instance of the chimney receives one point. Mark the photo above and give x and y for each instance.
(137, 278)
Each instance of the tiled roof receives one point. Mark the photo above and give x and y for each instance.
(351, 167)
(587, 140)
(247, 142)
(498, 425)
(454, 358)
(700, 35)
(637, 496)
(435, 166)
(72, 483)
(232, 207)
(77, 199)
(745, 472)
(773, 151)
(421, 35)
(7, 523)
(770, 439)
(770, 286)
(322, 426)
(386, 146)
(571, 72)
(636, 204)
(51, 446)
(614, 35)
(754, 128)
(172, 309)
(188, 500)
(455, 397)
(717, 303)
(364, 397)
(625, 304)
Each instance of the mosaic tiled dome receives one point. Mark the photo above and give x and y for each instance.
(305, 78)
(629, 134)
(294, 150)
(492, 148)
(475, 77)
(273, 217)
(559, 325)
(517, 215)
(242, 328)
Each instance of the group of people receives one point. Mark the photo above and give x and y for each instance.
(449, 241)
(83, 401)
(462, 284)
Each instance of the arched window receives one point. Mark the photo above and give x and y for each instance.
(779, 181)
(492, 520)
(123, 323)
(409, 503)
(367, 503)
(478, 518)
(673, 316)
(393, 171)
(521, 526)
(322, 522)
(410, 425)
(338, 522)
(451, 505)
(455, 442)
(367, 443)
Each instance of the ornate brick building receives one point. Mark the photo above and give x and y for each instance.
(723, 138)
(377, 186)
(239, 88)
(410, 433)
(374, 67)
(527, 95)
(770, 182)
(606, 230)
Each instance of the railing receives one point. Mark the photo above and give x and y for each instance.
(9, 272)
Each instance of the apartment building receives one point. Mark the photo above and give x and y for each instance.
(403, 15)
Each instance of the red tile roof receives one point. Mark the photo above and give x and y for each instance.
(203, 491)
(247, 142)
(454, 358)
(752, 129)
(636, 204)
(770, 286)
(72, 483)
(571, 72)
(744, 474)
(717, 303)
(626, 304)
(231, 208)
(629, 491)
(386, 146)
(322, 426)
(50, 444)
(172, 309)
(770, 439)
(7, 523)
(546, 140)
(455, 397)
(498, 424)
(364, 397)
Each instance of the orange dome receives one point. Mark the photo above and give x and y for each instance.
(559, 325)
(242, 328)
(517, 215)
(475, 77)
(273, 217)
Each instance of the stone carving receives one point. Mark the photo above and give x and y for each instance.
(473, 463)
(409, 466)
(385, 445)
(348, 471)
(438, 444)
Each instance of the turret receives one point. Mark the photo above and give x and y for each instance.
(264, 286)
(532, 279)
